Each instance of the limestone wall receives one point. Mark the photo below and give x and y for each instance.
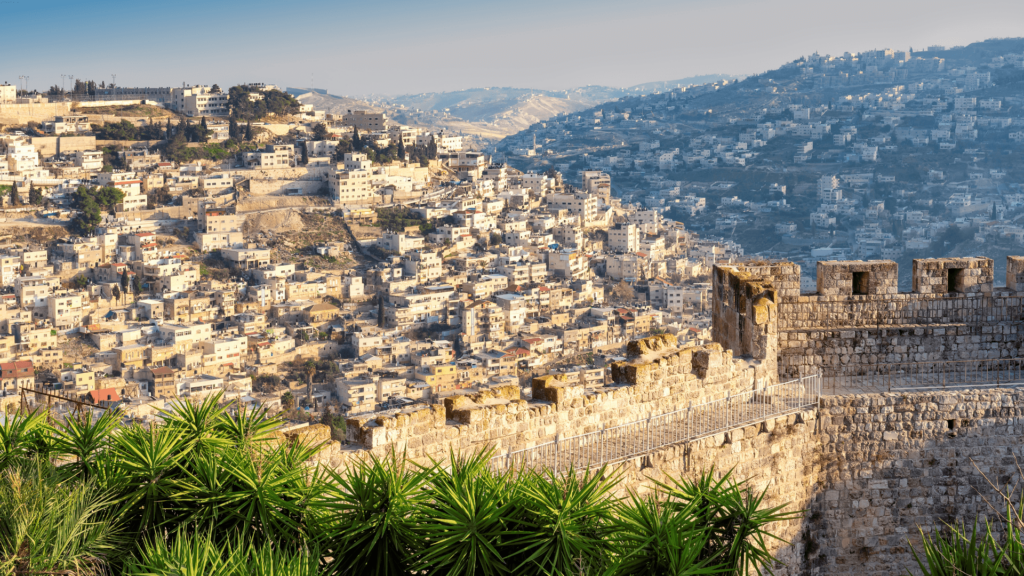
(660, 380)
(893, 463)
(858, 322)
(745, 315)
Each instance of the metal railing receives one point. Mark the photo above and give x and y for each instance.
(625, 441)
(935, 375)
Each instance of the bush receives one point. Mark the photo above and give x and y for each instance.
(213, 490)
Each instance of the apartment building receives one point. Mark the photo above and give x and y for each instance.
(352, 187)
(366, 120)
(423, 266)
(88, 159)
(432, 304)
(568, 264)
(397, 243)
(624, 238)
(581, 205)
(272, 156)
(199, 101)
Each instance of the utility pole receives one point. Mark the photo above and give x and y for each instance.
(113, 80)
(20, 78)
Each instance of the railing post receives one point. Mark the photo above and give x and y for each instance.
(556, 453)
(508, 459)
(648, 434)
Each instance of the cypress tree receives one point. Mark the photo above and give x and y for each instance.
(233, 129)
(432, 149)
(401, 149)
(14, 194)
(248, 130)
(357, 143)
(35, 197)
(380, 309)
(305, 154)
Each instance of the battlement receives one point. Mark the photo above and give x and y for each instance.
(858, 319)
(658, 378)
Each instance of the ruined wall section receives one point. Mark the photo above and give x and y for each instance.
(891, 464)
(660, 379)
(745, 313)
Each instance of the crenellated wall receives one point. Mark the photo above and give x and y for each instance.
(857, 320)
(661, 378)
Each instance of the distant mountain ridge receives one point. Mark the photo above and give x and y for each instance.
(487, 114)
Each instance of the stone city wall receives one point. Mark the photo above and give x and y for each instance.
(857, 320)
(889, 465)
(661, 379)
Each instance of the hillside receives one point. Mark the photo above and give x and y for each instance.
(486, 115)
(743, 160)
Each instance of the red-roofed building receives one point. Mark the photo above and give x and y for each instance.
(105, 397)
(15, 375)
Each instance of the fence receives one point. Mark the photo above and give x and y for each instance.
(633, 439)
(938, 375)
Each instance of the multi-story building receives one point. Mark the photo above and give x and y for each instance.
(366, 120)
(624, 238)
(272, 156)
(199, 101)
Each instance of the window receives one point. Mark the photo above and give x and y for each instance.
(955, 282)
(860, 282)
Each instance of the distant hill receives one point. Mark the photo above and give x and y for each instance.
(486, 115)
(663, 86)
(329, 102)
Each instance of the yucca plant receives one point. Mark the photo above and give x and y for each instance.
(564, 520)
(82, 438)
(650, 537)
(960, 554)
(201, 554)
(23, 436)
(198, 422)
(48, 525)
(148, 473)
(464, 522)
(269, 493)
(247, 426)
(734, 514)
(368, 515)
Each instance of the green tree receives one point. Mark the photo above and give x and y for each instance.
(116, 293)
(288, 401)
(305, 154)
(401, 149)
(124, 280)
(204, 135)
(248, 131)
(35, 197)
(309, 369)
(320, 132)
(15, 201)
(137, 284)
(432, 149)
(357, 142)
(233, 131)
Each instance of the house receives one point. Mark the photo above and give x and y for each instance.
(16, 375)
(106, 397)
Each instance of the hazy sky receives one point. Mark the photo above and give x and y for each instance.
(401, 46)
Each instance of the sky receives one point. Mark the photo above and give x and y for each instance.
(404, 46)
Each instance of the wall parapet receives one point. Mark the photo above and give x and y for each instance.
(661, 378)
